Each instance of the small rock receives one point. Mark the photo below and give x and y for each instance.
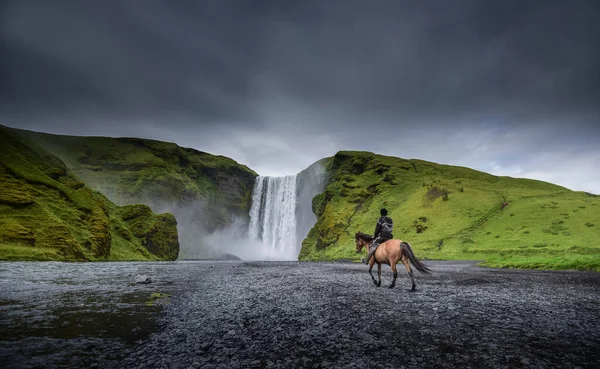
(205, 345)
(143, 279)
(525, 361)
(255, 362)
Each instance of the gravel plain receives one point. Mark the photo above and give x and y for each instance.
(238, 314)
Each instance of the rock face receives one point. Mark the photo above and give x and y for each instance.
(47, 213)
(309, 183)
(452, 212)
(204, 192)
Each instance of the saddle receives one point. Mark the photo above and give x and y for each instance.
(374, 245)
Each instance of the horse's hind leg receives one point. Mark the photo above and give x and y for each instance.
(406, 263)
(379, 274)
(393, 265)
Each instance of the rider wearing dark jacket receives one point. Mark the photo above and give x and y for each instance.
(383, 232)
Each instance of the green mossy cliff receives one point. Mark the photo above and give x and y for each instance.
(205, 192)
(56, 204)
(450, 212)
(47, 213)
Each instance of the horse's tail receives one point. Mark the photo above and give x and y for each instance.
(413, 259)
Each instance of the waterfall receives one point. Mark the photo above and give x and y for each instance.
(273, 216)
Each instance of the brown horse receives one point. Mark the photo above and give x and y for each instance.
(390, 252)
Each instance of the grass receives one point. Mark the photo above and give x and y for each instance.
(448, 212)
(561, 261)
(16, 252)
(46, 213)
(155, 297)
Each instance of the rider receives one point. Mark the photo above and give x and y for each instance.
(383, 232)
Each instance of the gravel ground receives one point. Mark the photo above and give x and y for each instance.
(295, 315)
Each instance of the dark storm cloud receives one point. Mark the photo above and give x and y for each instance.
(439, 80)
(215, 59)
(132, 58)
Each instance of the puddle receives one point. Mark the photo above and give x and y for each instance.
(127, 317)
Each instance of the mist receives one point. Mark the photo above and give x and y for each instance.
(235, 240)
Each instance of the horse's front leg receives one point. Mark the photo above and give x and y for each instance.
(379, 274)
(371, 263)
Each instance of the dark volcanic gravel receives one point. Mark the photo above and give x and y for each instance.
(295, 315)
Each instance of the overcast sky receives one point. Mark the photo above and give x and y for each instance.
(506, 87)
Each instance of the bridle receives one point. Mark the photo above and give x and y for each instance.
(360, 243)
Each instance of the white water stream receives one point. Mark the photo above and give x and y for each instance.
(273, 217)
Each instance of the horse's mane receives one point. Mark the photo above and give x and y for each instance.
(364, 236)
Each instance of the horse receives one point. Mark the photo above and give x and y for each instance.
(390, 252)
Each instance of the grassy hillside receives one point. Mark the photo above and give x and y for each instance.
(46, 213)
(205, 192)
(449, 212)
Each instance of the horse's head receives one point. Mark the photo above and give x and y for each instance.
(361, 240)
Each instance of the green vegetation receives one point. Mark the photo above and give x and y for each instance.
(162, 175)
(448, 212)
(133, 170)
(155, 297)
(46, 213)
(50, 208)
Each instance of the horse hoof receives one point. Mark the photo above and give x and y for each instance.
(391, 286)
(375, 283)
(379, 284)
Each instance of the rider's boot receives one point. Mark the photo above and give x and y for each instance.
(369, 255)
